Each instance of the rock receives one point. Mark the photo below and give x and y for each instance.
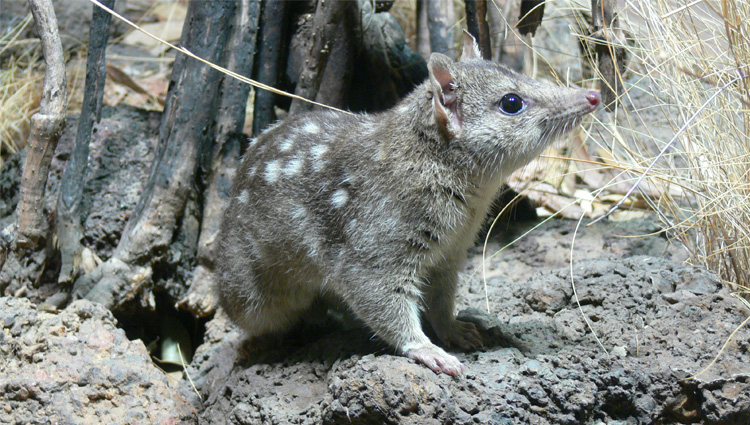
(620, 351)
(541, 365)
(77, 367)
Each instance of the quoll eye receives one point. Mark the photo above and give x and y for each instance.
(511, 104)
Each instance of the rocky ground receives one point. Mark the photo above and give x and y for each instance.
(658, 322)
(76, 367)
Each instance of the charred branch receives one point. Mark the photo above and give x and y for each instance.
(423, 30)
(270, 61)
(335, 85)
(185, 135)
(434, 27)
(69, 231)
(327, 23)
(476, 24)
(225, 155)
(386, 69)
(609, 48)
(532, 12)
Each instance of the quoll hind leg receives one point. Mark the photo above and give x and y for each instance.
(439, 299)
(256, 304)
(392, 312)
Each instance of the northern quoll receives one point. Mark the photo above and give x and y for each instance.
(379, 210)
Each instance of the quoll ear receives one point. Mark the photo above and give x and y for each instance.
(444, 100)
(471, 48)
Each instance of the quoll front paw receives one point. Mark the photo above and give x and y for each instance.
(436, 359)
(460, 334)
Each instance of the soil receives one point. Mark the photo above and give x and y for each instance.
(76, 367)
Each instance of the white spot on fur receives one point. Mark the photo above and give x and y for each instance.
(317, 153)
(313, 245)
(252, 142)
(339, 198)
(293, 167)
(251, 171)
(243, 197)
(272, 171)
(286, 144)
(299, 213)
(311, 128)
(403, 109)
(382, 155)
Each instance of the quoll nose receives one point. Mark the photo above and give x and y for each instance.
(594, 99)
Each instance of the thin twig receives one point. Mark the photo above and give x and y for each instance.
(720, 351)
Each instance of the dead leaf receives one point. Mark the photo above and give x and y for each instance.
(169, 31)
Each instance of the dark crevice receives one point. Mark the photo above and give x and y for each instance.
(165, 323)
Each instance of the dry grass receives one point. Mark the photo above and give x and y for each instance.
(684, 125)
(696, 60)
(19, 99)
(20, 87)
(22, 73)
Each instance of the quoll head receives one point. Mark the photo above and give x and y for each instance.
(497, 113)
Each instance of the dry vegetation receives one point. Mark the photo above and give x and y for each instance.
(683, 126)
(22, 70)
(695, 59)
(20, 85)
